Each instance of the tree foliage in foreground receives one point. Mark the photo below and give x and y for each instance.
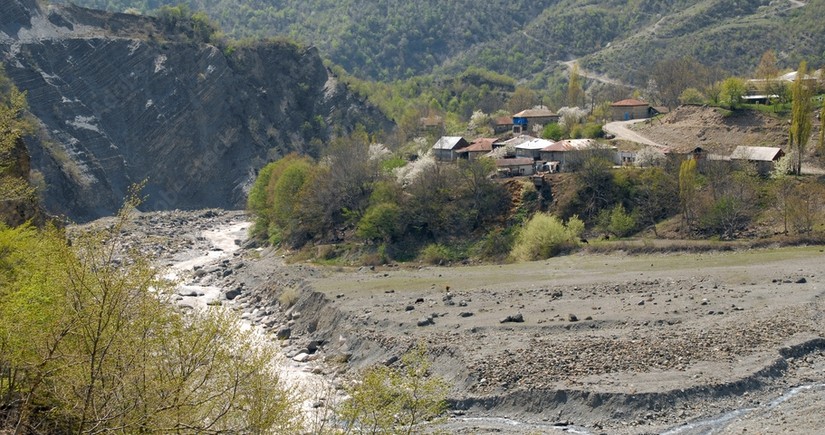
(89, 344)
(395, 400)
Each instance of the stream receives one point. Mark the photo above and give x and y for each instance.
(223, 241)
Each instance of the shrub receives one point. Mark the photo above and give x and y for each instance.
(617, 221)
(436, 253)
(592, 130)
(553, 131)
(288, 297)
(545, 236)
(380, 222)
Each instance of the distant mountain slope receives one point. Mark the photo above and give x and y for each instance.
(119, 100)
(387, 39)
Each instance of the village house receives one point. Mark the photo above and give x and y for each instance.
(446, 149)
(626, 110)
(430, 124)
(533, 120)
(515, 167)
(507, 148)
(561, 153)
(503, 124)
(532, 148)
(477, 148)
(764, 158)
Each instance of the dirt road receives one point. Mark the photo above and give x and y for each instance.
(622, 132)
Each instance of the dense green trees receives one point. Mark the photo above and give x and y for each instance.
(350, 192)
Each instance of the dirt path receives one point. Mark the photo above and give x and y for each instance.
(594, 75)
(622, 132)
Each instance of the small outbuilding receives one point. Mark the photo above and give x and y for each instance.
(446, 149)
(764, 158)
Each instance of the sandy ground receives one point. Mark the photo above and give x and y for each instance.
(727, 342)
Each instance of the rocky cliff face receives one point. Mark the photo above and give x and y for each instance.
(120, 101)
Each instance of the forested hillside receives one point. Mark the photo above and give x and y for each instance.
(386, 39)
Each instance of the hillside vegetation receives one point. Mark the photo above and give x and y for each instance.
(386, 40)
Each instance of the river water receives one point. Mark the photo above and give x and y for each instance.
(223, 241)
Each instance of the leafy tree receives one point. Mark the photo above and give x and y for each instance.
(575, 92)
(691, 96)
(767, 69)
(822, 129)
(18, 199)
(395, 400)
(801, 123)
(617, 221)
(380, 222)
(522, 98)
(553, 131)
(732, 91)
(90, 344)
(688, 190)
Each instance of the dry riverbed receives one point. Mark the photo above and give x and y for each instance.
(583, 343)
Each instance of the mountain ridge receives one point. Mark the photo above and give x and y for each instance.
(384, 40)
(119, 100)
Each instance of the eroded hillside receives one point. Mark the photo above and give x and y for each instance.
(119, 100)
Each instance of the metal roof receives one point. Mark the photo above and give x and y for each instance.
(535, 144)
(570, 145)
(758, 154)
(448, 143)
(534, 113)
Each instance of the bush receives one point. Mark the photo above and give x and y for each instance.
(617, 221)
(592, 130)
(553, 131)
(436, 253)
(496, 245)
(380, 222)
(545, 236)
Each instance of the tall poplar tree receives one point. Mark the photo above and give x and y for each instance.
(801, 123)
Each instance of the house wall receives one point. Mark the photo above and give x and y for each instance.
(627, 113)
(444, 155)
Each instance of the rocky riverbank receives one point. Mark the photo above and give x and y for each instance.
(596, 343)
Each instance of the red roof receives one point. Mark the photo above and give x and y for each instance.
(630, 102)
(504, 120)
(481, 144)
